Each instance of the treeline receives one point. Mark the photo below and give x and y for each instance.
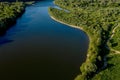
(9, 12)
(17, 0)
(87, 3)
(97, 18)
(22, 0)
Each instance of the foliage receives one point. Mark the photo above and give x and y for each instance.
(115, 40)
(9, 13)
(113, 70)
(97, 18)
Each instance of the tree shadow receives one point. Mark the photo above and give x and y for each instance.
(5, 41)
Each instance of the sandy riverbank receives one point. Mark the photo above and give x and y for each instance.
(73, 26)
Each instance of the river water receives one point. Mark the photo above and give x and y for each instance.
(39, 48)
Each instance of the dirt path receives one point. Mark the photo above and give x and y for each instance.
(113, 32)
(116, 52)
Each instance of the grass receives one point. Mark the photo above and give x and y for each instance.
(114, 42)
(112, 72)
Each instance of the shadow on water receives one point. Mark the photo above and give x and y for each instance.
(2, 33)
(40, 48)
(4, 41)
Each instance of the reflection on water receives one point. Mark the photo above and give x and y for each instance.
(38, 48)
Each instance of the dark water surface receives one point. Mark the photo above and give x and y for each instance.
(38, 48)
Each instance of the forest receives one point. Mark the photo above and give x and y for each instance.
(9, 12)
(100, 19)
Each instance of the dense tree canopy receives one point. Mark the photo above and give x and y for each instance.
(9, 13)
(98, 18)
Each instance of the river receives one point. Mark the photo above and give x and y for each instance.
(39, 48)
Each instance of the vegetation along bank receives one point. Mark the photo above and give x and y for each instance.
(9, 12)
(100, 19)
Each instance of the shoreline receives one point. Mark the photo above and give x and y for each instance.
(97, 62)
(73, 26)
(76, 27)
(11, 20)
(88, 55)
